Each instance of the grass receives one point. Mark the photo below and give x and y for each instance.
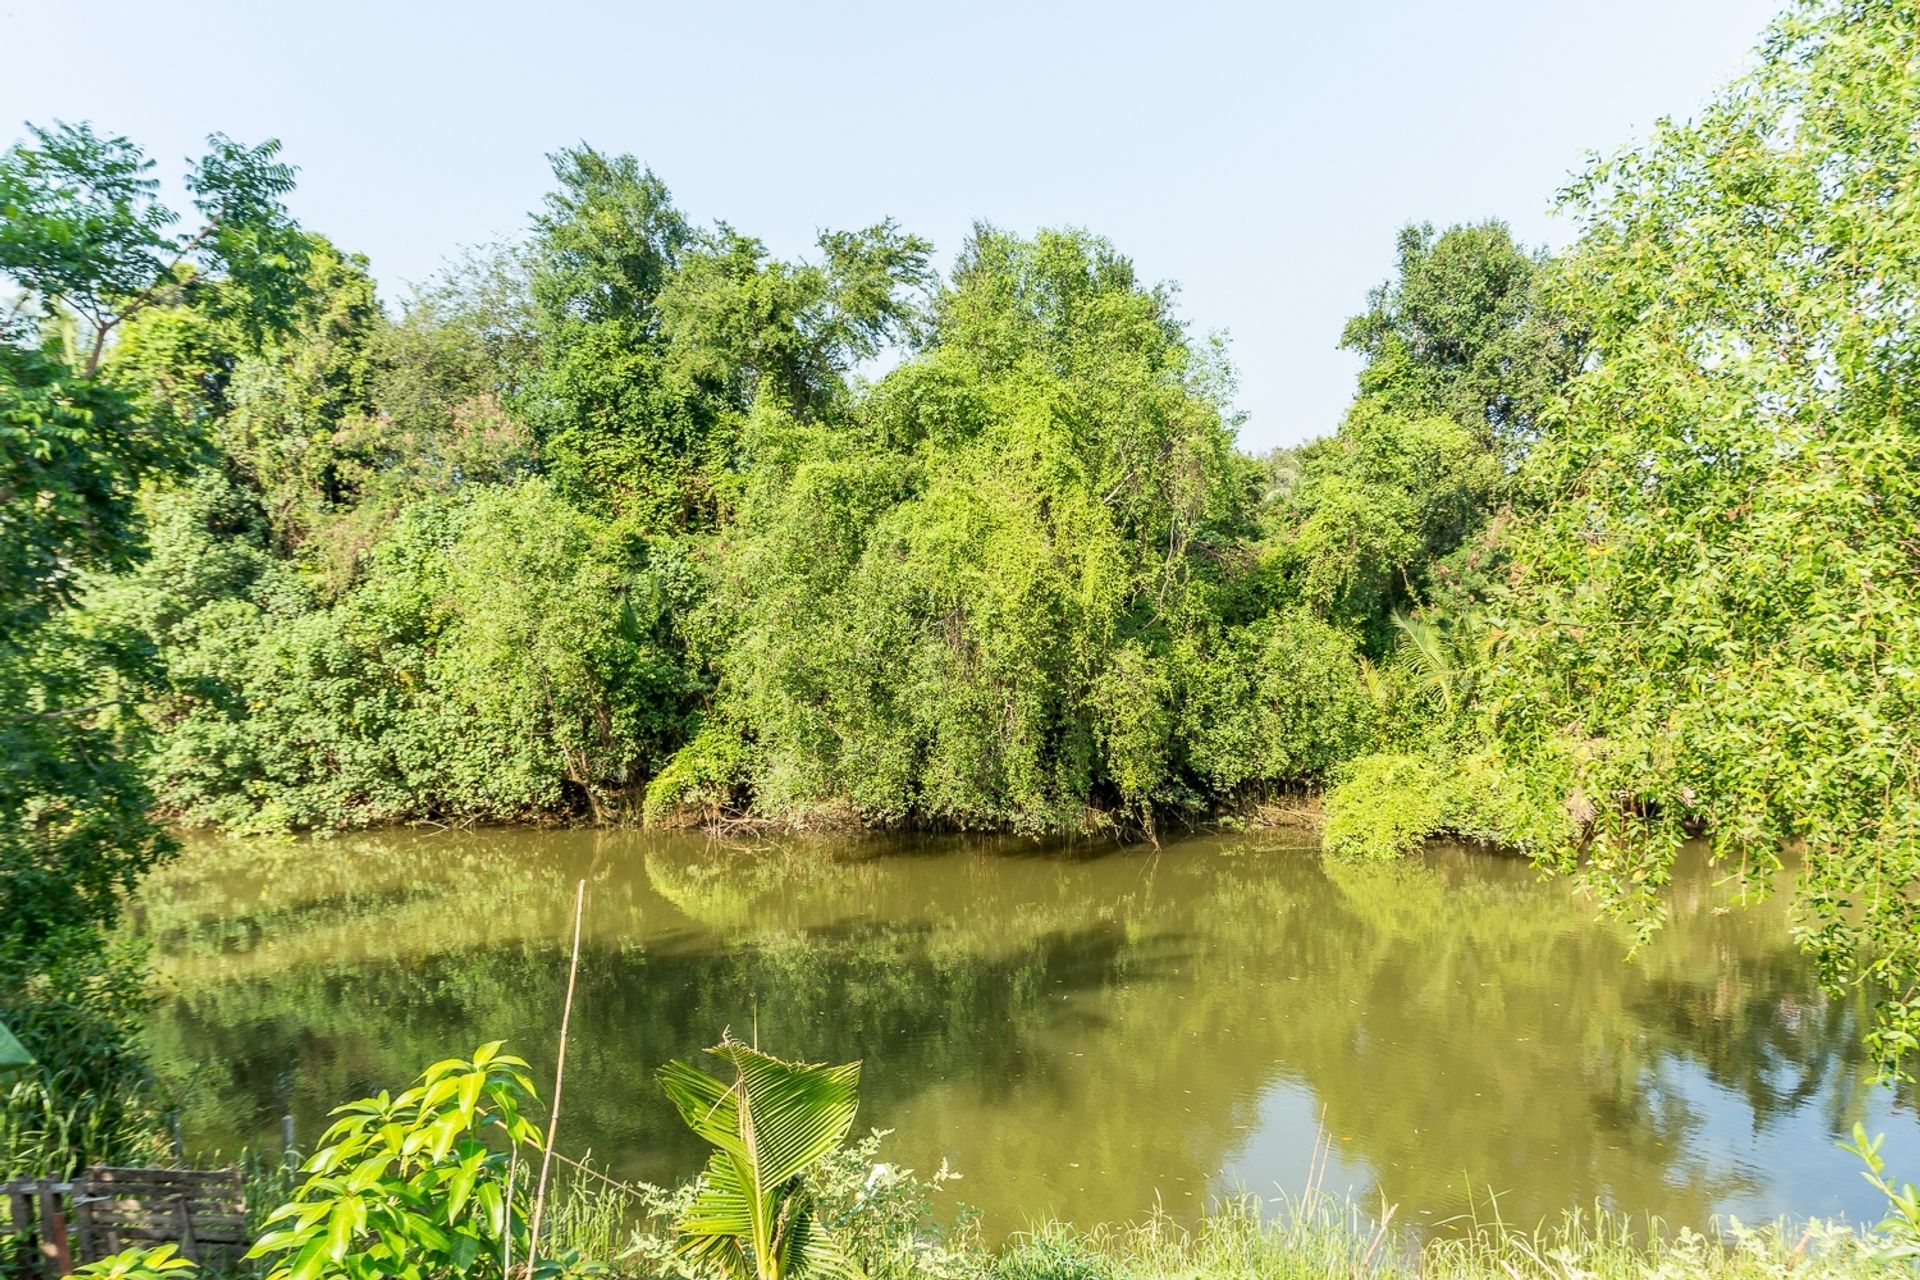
(50, 1131)
(885, 1220)
(1237, 1243)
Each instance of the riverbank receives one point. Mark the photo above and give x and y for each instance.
(1297, 809)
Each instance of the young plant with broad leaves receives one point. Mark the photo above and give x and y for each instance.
(754, 1216)
(409, 1187)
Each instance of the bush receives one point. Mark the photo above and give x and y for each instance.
(1384, 806)
(502, 655)
(1387, 805)
(1277, 700)
(418, 1186)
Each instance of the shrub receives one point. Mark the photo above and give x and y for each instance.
(1385, 806)
(415, 1187)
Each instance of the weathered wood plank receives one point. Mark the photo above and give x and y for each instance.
(117, 1174)
(53, 1233)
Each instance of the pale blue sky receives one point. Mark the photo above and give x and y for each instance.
(1260, 155)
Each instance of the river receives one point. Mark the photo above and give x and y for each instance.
(1081, 1031)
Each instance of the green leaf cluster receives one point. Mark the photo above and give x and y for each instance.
(84, 245)
(1710, 622)
(409, 1187)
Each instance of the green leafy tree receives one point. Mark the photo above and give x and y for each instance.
(447, 377)
(951, 609)
(1709, 623)
(656, 340)
(84, 240)
(83, 232)
(83, 236)
(500, 654)
(1464, 330)
(1374, 507)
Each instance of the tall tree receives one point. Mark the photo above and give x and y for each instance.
(1711, 622)
(656, 340)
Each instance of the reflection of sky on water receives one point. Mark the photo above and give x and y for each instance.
(1794, 1159)
(1286, 1147)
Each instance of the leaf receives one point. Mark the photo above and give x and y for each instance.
(470, 1086)
(459, 1188)
(349, 1216)
(310, 1262)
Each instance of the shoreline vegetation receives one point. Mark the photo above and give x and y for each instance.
(1300, 810)
(629, 520)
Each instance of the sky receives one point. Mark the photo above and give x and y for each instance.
(1260, 155)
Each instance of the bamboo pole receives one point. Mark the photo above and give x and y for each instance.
(559, 1079)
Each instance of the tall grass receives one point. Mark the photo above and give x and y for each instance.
(51, 1131)
(884, 1216)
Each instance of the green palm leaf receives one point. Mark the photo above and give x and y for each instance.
(773, 1123)
(1430, 658)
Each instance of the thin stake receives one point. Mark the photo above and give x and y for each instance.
(506, 1215)
(559, 1078)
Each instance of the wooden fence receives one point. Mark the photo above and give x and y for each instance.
(106, 1210)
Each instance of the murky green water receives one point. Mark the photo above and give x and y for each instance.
(1082, 1033)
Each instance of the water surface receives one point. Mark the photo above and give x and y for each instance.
(1084, 1032)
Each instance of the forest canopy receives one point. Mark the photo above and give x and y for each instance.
(631, 520)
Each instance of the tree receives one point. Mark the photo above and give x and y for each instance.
(657, 340)
(958, 606)
(83, 233)
(1462, 330)
(1375, 506)
(1710, 622)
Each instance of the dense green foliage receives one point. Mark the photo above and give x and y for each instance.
(1707, 619)
(85, 241)
(1022, 580)
(1713, 610)
(1464, 331)
(979, 601)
